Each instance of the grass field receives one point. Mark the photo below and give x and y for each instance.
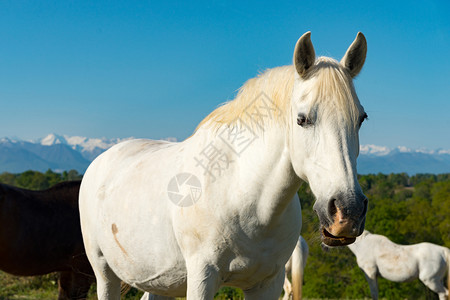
(28, 288)
(46, 288)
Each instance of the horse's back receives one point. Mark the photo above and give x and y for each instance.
(122, 154)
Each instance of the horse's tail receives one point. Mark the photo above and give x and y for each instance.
(299, 257)
(296, 273)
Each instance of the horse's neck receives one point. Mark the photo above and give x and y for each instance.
(259, 168)
(357, 246)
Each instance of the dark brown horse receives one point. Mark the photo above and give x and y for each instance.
(40, 233)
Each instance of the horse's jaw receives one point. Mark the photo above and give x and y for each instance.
(333, 241)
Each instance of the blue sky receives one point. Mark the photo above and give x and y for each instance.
(155, 69)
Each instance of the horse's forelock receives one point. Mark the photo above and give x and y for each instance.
(332, 89)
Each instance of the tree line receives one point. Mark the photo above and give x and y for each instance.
(34, 180)
(406, 209)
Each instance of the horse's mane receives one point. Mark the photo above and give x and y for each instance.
(333, 86)
(274, 85)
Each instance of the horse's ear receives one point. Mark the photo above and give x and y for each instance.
(304, 55)
(355, 56)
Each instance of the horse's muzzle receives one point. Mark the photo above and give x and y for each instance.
(343, 220)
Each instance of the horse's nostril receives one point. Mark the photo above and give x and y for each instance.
(366, 202)
(332, 209)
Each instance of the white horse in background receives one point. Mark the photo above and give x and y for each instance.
(295, 269)
(376, 254)
(219, 209)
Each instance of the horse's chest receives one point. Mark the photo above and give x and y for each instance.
(245, 271)
(251, 263)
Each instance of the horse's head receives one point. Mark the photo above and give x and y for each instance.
(324, 145)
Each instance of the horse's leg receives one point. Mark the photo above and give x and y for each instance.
(108, 284)
(148, 296)
(437, 286)
(371, 276)
(202, 281)
(74, 285)
(287, 288)
(64, 285)
(81, 283)
(270, 290)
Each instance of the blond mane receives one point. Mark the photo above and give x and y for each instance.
(268, 96)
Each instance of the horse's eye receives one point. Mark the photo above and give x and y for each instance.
(303, 120)
(364, 117)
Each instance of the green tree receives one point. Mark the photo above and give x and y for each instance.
(440, 203)
(32, 180)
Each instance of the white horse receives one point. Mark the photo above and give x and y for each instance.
(376, 254)
(218, 209)
(294, 269)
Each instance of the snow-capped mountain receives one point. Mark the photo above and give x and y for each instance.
(55, 152)
(89, 148)
(18, 156)
(62, 152)
(379, 159)
(382, 150)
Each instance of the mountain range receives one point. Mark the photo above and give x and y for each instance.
(62, 152)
